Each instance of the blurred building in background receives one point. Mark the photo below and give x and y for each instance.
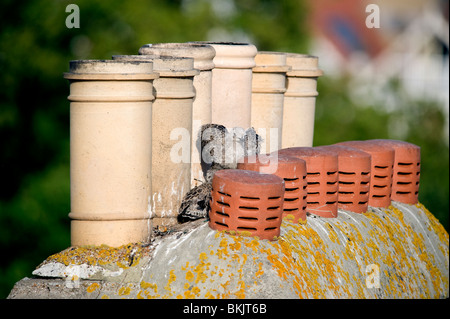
(411, 45)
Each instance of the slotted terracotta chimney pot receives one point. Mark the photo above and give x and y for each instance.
(406, 172)
(381, 170)
(354, 177)
(321, 178)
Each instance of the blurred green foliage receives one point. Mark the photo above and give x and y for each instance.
(36, 47)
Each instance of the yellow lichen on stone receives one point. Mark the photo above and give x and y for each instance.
(437, 227)
(322, 259)
(123, 291)
(240, 294)
(100, 255)
(260, 272)
(332, 234)
(92, 287)
(146, 285)
(189, 276)
(172, 278)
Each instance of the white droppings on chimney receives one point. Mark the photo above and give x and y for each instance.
(149, 207)
(174, 190)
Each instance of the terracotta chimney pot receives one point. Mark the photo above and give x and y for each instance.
(321, 178)
(354, 177)
(247, 202)
(381, 170)
(406, 172)
(293, 171)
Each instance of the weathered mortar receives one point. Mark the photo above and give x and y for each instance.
(325, 258)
